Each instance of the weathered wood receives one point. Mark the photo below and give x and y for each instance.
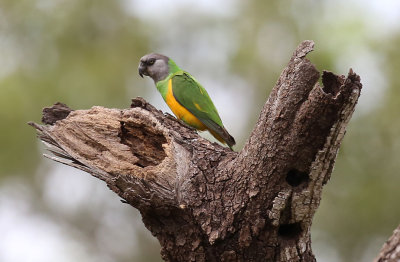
(203, 201)
(390, 251)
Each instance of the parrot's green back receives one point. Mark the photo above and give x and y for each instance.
(189, 93)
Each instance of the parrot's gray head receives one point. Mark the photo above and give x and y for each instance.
(155, 66)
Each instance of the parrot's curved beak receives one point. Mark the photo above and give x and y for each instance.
(142, 70)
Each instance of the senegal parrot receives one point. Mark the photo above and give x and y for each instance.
(188, 100)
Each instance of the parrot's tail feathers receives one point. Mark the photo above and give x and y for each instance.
(223, 136)
(230, 141)
(219, 132)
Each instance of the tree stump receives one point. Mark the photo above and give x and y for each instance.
(201, 200)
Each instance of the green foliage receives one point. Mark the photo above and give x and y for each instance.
(82, 53)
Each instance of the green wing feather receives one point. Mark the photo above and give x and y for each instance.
(188, 92)
(191, 95)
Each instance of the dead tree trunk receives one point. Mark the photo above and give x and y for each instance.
(202, 201)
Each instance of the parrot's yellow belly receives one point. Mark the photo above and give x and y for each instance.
(180, 112)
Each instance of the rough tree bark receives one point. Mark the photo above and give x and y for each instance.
(390, 251)
(203, 201)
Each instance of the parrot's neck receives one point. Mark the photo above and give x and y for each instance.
(162, 85)
(173, 68)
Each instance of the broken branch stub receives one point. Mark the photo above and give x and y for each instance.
(203, 201)
(390, 252)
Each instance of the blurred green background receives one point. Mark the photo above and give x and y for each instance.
(85, 53)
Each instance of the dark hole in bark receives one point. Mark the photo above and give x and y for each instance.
(289, 230)
(295, 177)
(144, 142)
(331, 82)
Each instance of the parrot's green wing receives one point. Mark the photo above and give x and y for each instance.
(191, 95)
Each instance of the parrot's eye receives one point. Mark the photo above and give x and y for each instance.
(151, 61)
